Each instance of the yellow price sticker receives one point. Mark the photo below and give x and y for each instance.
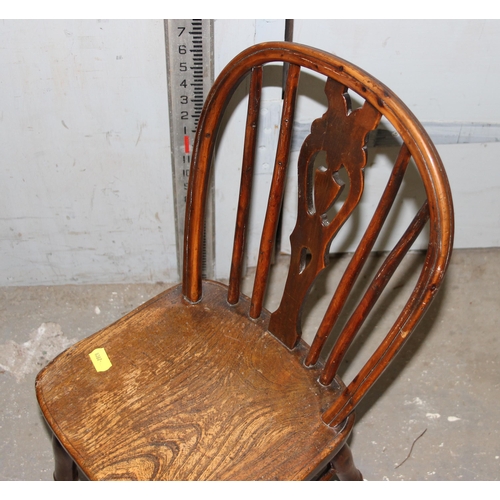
(100, 359)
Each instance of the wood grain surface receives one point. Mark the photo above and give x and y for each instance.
(194, 392)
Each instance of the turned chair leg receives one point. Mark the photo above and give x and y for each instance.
(344, 467)
(65, 468)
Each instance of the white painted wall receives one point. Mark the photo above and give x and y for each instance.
(85, 162)
(85, 179)
(444, 70)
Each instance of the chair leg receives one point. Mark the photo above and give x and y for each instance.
(344, 467)
(65, 468)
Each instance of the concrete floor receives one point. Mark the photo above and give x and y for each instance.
(440, 396)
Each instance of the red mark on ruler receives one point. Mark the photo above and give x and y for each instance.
(186, 144)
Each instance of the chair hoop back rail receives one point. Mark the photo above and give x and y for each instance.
(318, 191)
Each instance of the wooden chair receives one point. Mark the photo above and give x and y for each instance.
(205, 383)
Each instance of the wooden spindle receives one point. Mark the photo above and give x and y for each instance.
(393, 342)
(359, 258)
(276, 194)
(374, 291)
(246, 184)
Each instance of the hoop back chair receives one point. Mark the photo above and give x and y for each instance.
(205, 382)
